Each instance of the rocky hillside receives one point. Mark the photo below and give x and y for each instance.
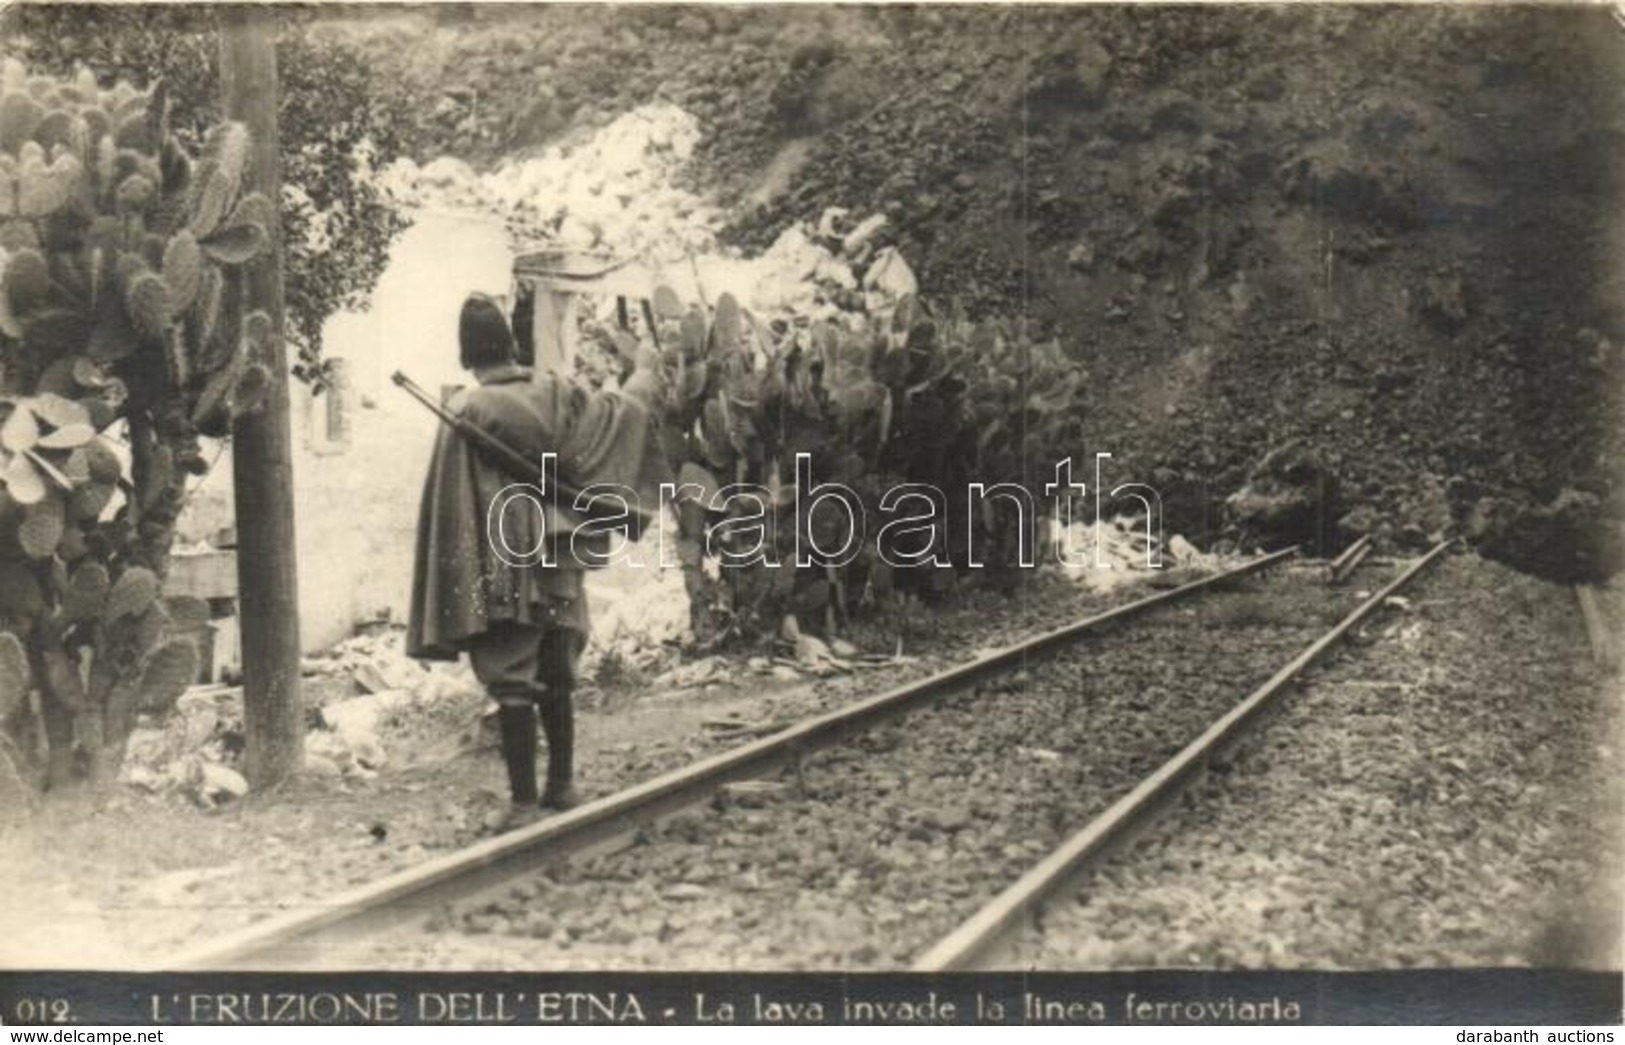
(1381, 235)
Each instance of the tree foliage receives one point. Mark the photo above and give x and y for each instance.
(337, 225)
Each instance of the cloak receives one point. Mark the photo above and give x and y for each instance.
(460, 586)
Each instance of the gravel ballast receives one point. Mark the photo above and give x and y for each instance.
(874, 849)
(1446, 798)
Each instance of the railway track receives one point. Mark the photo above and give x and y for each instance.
(897, 816)
(985, 936)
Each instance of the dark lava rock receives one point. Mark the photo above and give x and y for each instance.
(1571, 540)
(1290, 498)
(1362, 520)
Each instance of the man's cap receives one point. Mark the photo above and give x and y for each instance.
(483, 335)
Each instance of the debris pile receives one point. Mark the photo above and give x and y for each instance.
(382, 706)
(617, 191)
(366, 702)
(193, 750)
(1291, 497)
(640, 613)
(795, 655)
(1116, 552)
(620, 192)
(374, 663)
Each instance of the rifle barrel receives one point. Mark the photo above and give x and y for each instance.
(511, 460)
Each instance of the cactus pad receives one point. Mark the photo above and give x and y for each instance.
(28, 281)
(20, 595)
(63, 680)
(132, 594)
(104, 408)
(147, 299)
(176, 168)
(87, 373)
(88, 501)
(128, 163)
(693, 335)
(13, 675)
(135, 131)
(19, 115)
(253, 209)
(24, 483)
(114, 337)
(21, 429)
(237, 244)
(56, 332)
(186, 612)
(41, 528)
(55, 128)
(58, 411)
(44, 188)
(104, 464)
(86, 593)
(183, 269)
(171, 668)
(212, 414)
(9, 325)
(58, 378)
(69, 436)
(666, 303)
(210, 197)
(18, 234)
(251, 391)
(135, 192)
(259, 335)
(727, 325)
(207, 305)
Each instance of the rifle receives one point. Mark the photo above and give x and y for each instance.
(518, 465)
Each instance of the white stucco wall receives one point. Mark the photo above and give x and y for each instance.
(355, 508)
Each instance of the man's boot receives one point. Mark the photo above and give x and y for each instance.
(558, 723)
(518, 723)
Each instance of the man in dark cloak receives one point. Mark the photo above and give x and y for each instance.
(522, 625)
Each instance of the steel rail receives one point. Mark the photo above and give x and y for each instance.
(976, 940)
(615, 818)
(1344, 565)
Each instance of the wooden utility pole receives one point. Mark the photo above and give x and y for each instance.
(262, 465)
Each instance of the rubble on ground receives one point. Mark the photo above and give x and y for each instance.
(616, 190)
(367, 704)
(1576, 537)
(1116, 552)
(640, 612)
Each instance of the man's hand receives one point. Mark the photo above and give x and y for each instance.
(647, 378)
(647, 359)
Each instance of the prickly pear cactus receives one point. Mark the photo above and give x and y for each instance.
(123, 339)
